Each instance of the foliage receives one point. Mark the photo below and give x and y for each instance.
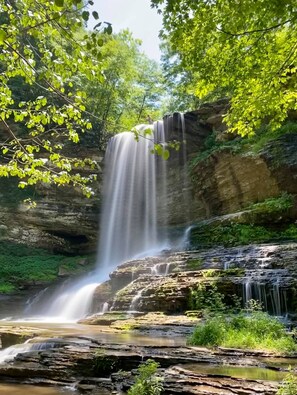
(41, 48)
(177, 82)
(147, 382)
(272, 205)
(265, 135)
(288, 385)
(245, 145)
(20, 264)
(242, 49)
(206, 297)
(61, 84)
(131, 91)
(240, 234)
(6, 288)
(257, 330)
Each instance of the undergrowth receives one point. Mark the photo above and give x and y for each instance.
(255, 330)
(147, 382)
(273, 205)
(240, 234)
(252, 144)
(21, 265)
(288, 385)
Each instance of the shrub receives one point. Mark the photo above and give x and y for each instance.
(288, 385)
(147, 382)
(206, 297)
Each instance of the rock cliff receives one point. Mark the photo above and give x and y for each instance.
(213, 174)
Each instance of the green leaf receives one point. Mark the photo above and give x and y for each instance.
(85, 15)
(3, 36)
(108, 29)
(95, 15)
(165, 154)
(59, 3)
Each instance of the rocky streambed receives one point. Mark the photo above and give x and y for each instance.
(97, 366)
(150, 312)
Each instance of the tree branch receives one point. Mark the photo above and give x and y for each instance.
(256, 30)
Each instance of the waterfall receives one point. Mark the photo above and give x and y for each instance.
(134, 181)
(129, 219)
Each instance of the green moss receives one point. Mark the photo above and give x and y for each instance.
(236, 272)
(194, 264)
(211, 146)
(240, 234)
(253, 144)
(6, 288)
(20, 264)
(273, 205)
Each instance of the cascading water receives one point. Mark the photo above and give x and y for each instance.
(11, 352)
(129, 217)
(129, 220)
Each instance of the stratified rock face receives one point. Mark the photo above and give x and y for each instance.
(63, 220)
(166, 283)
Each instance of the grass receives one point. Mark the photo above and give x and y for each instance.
(256, 330)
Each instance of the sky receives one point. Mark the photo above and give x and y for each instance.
(137, 15)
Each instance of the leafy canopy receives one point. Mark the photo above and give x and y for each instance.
(43, 48)
(243, 49)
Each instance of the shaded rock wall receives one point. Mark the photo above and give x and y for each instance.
(63, 220)
(225, 181)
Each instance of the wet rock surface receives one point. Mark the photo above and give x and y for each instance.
(93, 364)
(165, 283)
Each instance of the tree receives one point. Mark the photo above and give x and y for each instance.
(44, 47)
(245, 50)
(131, 89)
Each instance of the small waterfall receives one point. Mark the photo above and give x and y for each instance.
(129, 221)
(74, 303)
(135, 301)
(184, 242)
(161, 269)
(105, 308)
(30, 345)
(184, 172)
(268, 292)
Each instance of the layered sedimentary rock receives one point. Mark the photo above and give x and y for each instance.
(63, 220)
(171, 283)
